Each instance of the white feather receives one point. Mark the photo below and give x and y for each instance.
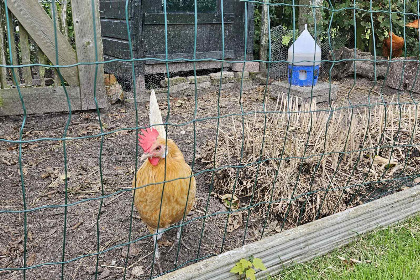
(155, 115)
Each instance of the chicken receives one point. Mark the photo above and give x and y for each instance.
(414, 24)
(397, 46)
(180, 187)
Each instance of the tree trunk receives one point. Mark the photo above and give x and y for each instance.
(265, 17)
(305, 14)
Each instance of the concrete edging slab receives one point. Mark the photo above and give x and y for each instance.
(307, 241)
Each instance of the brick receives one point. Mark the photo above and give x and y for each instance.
(238, 75)
(200, 79)
(250, 66)
(204, 85)
(179, 87)
(226, 77)
(173, 81)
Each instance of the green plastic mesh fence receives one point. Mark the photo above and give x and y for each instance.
(266, 155)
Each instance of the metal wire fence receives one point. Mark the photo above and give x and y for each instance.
(264, 159)
(281, 40)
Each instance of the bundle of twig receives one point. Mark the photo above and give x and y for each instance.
(298, 164)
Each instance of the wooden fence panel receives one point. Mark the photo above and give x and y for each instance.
(43, 91)
(41, 29)
(26, 54)
(3, 71)
(85, 33)
(37, 97)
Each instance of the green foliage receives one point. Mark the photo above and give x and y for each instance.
(246, 268)
(371, 23)
(363, 25)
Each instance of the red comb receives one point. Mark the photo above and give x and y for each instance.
(147, 138)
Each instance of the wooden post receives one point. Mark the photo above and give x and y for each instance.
(53, 5)
(41, 70)
(64, 27)
(3, 72)
(304, 14)
(26, 55)
(85, 35)
(265, 17)
(13, 52)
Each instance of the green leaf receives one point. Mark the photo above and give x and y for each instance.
(237, 268)
(250, 273)
(257, 262)
(245, 263)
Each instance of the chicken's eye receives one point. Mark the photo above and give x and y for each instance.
(157, 148)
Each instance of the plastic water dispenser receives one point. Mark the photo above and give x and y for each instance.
(304, 57)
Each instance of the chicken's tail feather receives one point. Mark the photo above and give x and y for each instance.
(156, 116)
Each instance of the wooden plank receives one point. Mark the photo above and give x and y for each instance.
(114, 29)
(229, 54)
(13, 50)
(187, 18)
(63, 18)
(116, 48)
(116, 9)
(85, 35)
(184, 66)
(40, 27)
(3, 71)
(39, 100)
(41, 70)
(307, 241)
(26, 55)
(53, 5)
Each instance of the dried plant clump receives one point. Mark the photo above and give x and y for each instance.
(311, 163)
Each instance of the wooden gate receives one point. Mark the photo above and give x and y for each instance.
(33, 43)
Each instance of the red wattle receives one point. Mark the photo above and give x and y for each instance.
(154, 160)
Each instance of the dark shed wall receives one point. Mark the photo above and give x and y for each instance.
(147, 30)
(115, 34)
(181, 32)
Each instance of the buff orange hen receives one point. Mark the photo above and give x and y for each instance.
(178, 191)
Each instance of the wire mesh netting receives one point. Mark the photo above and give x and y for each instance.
(282, 39)
(265, 158)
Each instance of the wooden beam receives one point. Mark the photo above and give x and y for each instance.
(13, 50)
(26, 55)
(85, 35)
(39, 100)
(3, 70)
(41, 28)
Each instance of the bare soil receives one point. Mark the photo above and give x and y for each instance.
(99, 176)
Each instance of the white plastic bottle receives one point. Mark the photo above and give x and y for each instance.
(304, 50)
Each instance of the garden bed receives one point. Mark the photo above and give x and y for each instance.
(44, 179)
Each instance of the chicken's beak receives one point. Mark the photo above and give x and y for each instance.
(145, 156)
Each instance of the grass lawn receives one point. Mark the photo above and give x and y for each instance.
(388, 253)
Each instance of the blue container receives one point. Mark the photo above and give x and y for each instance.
(303, 76)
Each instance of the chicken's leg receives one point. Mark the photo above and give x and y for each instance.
(156, 237)
(178, 239)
